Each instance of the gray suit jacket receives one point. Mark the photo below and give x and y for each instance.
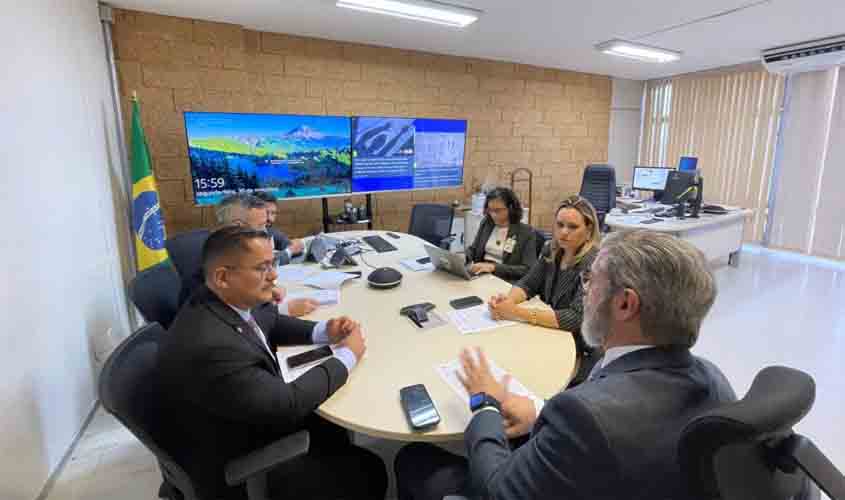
(280, 242)
(614, 436)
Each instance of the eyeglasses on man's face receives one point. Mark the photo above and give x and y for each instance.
(262, 269)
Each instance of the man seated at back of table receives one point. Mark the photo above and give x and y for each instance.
(220, 388)
(281, 241)
(243, 209)
(616, 434)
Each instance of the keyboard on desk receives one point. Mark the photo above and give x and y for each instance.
(379, 244)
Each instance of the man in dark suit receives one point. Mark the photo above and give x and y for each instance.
(242, 209)
(281, 242)
(615, 435)
(220, 386)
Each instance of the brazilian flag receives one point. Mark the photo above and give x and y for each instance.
(146, 211)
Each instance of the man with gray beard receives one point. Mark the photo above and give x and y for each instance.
(616, 434)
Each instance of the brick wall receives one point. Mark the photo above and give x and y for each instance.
(550, 121)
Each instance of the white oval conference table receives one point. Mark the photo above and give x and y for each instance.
(399, 354)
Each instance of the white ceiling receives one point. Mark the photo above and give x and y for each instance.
(551, 33)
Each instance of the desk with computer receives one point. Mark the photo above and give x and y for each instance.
(676, 207)
(675, 193)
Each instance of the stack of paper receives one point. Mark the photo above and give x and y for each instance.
(292, 273)
(413, 265)
(328, 279)
(449, 372)
(476, 319)
(323, 297)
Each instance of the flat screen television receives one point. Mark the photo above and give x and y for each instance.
(290, 156)
(391, 154)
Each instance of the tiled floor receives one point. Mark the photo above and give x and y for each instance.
(774, 309)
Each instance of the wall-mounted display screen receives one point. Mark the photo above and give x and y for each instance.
(301, 156)
(291, 156)
(391, 154)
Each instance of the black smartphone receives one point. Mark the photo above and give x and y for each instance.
(424, 260)
(418, 407)
(309, 356)
(465, 302)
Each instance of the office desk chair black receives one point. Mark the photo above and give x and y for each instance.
(127, 393)
(155, 292)
(747, 450)
(543, 237)
(598, 186)
(433, 223)
(185, 251)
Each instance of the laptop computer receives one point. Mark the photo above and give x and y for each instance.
(450, 262)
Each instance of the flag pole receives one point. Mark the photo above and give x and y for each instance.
(106, 21)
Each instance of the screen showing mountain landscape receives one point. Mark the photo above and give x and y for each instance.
(290, 156)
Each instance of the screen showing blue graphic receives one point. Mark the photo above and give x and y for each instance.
(406, 153)
(687, 163)
(290, 156)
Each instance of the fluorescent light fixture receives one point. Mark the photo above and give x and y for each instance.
(417, 10)
(638, 51)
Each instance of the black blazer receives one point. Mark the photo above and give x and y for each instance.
(614, 436)
(220, 391)
(514, 264)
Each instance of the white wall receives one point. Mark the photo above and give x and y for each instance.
(61, 278)
(625, 113)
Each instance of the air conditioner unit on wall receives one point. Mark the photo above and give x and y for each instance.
(808, 56)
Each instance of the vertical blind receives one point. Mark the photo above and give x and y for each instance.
(809, 208)
(730, 121)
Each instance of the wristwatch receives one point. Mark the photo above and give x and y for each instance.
(483, 400)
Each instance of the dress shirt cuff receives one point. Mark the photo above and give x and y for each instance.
(287, 251)
(347, 357)
(538, 405)
(319, 335)
(283, 308)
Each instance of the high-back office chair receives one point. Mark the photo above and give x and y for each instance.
(543, 237)
(185, 251)
(433, 223)
(126, 391)
(155, 292)
(598, 186)
(747, 450)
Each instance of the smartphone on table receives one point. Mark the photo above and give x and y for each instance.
(418, 407)
(309, 356)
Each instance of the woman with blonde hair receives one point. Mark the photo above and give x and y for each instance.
(556, 278)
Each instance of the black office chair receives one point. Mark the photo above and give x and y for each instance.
(598, 186)
(155, 292)
(185, 251)
(126, 391)
(433, 223)
(543, 238)
(747, 450)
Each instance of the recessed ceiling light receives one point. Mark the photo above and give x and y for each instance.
(638, 51)
(417, 10)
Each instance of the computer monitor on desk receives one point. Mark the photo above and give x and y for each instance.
(684, 187)
(688, 164)
(651, 179)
